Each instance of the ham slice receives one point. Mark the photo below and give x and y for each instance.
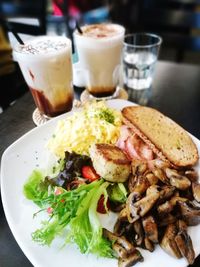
(133, 145)
(146, 152)
(124, 134)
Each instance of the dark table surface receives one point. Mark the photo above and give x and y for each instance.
(175, 92)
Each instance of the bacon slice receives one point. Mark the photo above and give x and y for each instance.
(146, 152)
(133, 145)
(124, 134)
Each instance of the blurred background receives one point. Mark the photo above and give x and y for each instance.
(177, 21)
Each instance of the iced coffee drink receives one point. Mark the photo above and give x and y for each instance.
(47, 68)
(99, 50)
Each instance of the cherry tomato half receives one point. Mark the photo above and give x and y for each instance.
(89, 173)
(101, 206)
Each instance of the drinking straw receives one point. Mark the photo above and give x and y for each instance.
(11, 29)
(78, 28)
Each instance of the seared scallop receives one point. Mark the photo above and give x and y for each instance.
(110, 162)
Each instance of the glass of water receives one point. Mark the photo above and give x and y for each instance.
(140, 54)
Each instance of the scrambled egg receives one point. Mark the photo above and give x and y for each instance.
(95, 123)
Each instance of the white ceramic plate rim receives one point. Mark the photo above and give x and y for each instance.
(19, 211)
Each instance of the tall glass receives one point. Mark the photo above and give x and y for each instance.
(46, 65)
(140, 54)
(99, 49)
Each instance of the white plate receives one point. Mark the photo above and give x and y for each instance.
(18, 161)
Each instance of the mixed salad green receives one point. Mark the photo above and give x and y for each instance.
(72, 197)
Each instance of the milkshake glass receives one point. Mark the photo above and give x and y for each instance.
(46, 65)
(99, 50)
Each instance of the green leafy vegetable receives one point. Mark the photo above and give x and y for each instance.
(36, 188)
(117, 192)
(70, 168)
(85, 228)
(76, 209)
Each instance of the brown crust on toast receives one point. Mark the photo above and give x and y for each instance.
(113, 153)
(169, 141)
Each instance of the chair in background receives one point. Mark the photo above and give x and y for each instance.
(177, 21)
(124, 12)
(59, 18)
(25, 16)
(67, 13)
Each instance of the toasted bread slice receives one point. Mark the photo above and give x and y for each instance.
(165, 137)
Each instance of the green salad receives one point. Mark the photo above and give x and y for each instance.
(72, 198)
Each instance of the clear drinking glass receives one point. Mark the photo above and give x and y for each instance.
(46, 65)
(140, 54)
(99, 50)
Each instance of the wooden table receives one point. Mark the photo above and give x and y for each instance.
(175, 92)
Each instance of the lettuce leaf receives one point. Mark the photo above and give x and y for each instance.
(36, 189)
(86, 230)
(76, 209)
(117, 192)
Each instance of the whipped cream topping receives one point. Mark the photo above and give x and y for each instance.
(44, 45)
(101, 30)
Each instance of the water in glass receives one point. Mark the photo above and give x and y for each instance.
(138, 69)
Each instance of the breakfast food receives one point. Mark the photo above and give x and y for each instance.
(99, 51)
(166, 138)
(95, 123)
(110, 162)
(153, 199)
(47, 68)
(161, 187)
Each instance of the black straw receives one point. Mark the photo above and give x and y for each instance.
(10, 28)
(78, 28)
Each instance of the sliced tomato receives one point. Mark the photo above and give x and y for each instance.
(101, 205)
(89, 173)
